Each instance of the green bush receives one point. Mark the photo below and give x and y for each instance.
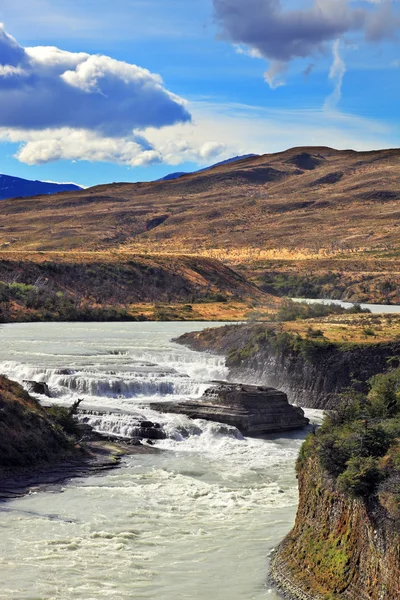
(358, 440)
(64, 418)
(361, 476)
(293, 311)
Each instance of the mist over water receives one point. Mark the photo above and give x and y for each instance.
(194, 522)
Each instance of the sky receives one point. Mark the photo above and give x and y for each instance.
(93, 91)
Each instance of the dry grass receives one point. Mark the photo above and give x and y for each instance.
(358, 329)
(210, 311)
(261, 208)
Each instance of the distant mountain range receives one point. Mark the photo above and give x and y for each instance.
(14, 187)
(179, 174)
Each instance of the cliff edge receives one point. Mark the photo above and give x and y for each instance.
(340, 548)
(346, 540)
(312, 371)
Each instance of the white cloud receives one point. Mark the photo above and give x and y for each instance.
(77, 106)
(40, 147)
(218, 132)
(50, 88)
(336, 73)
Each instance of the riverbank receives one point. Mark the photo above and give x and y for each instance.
(42, 446)
(345, 544)
(310, 360)
(96, 457)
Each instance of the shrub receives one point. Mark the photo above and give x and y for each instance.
(369, 331)
(361, 476)
(293, 311)
(359, 440)
(64, 418)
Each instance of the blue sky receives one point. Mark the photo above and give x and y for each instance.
(81, 97)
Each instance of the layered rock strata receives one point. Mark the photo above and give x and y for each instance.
(340, 548)
(251, 409)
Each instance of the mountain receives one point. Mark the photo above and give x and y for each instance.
(179, 174)
(14, 187)
(308, 222)
(304, 200)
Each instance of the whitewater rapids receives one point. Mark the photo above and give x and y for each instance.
(197, 521)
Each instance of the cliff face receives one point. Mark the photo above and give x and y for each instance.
(310, 372)
(340, 547)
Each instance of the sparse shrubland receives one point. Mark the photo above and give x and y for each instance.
(104, 287)
(294, 311)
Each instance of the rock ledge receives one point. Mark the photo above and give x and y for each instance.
(252, 409)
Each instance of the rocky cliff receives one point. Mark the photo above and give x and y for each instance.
(341, 547)
(251, 409)
(311, 372)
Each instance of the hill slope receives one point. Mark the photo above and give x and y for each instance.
(276, 201)
(14, 187)
(111, 286)
(178, 174)
(28, 437)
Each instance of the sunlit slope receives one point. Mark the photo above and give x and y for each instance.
(304, 199)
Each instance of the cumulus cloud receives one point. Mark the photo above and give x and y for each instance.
(281, 35)
(46, 87)
(208, 138)
(66, 105)
(40, 147)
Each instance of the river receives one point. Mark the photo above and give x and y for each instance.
(377, 309)
(196, 521)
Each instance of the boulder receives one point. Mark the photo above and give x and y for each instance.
(251, 409)
(38, 387)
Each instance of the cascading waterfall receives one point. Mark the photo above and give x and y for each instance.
(195, 521)
(119, 380)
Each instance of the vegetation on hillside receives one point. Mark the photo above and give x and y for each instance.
(24, 302)
(29, 435)
(296, 311)
(101, 286)
(359, 441)
(366, 279)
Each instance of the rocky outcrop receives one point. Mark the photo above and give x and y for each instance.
(251, 409)
(340, 547)
(310, 373)
(38, 387)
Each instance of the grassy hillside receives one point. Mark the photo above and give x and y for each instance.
(366, 278)
(277, 201)
(306, 222)
(105, 286)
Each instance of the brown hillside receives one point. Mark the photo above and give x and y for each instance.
(87, 286)
(28, 436)
(106, 278)
(304, 199)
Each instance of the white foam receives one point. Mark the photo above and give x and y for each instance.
(195, 521)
